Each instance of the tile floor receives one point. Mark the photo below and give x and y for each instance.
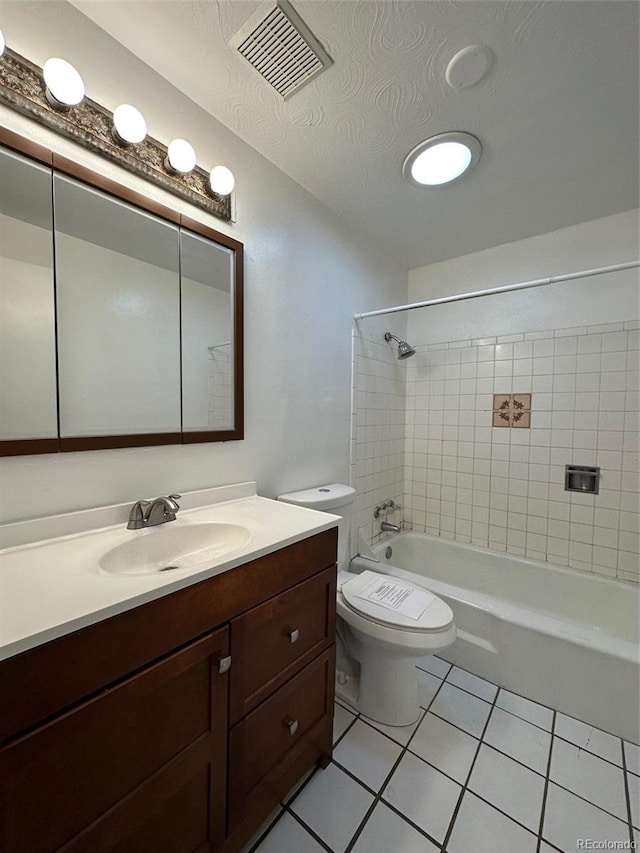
(482, 771)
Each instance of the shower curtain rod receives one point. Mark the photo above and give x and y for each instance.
(507, 288)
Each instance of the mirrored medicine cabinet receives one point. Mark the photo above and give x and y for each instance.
(120, 320)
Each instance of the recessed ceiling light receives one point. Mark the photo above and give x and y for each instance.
(64, 85)
(442, 159)
(129, 125)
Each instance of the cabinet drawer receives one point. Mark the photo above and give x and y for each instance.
(60, 779)
(275, 640)
(259, 741)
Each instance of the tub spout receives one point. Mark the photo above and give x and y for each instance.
(386, 527)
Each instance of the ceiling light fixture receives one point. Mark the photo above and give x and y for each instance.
(64, 86)
(221, 180)
(129, 126)
(442, 159)
(181, 157)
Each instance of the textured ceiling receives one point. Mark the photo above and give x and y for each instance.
(557, 115)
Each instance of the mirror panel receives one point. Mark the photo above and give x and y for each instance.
(28, 394)
(118, 314)
(207, 279)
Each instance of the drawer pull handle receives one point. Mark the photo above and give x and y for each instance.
(293, 635)
(224, 664)
(292, 725)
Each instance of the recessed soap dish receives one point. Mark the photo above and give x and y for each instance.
(582, 478)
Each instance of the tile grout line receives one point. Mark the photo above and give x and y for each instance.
(378, 796)
(546, 784)
(310, 831)
(627, 793)
(456, 810)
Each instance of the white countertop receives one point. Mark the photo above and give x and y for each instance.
(53, 587)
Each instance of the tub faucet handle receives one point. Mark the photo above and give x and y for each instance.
(387, 506)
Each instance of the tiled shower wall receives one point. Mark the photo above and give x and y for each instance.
(503, 488)
(377, 433)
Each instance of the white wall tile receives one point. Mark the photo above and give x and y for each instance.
(452, 465)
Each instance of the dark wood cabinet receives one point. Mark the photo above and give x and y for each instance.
(172, 752)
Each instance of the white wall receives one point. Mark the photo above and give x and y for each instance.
(585, 302)
(306, 274)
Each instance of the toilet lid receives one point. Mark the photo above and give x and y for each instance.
(396, 602)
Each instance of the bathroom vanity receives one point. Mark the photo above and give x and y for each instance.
(177, 724)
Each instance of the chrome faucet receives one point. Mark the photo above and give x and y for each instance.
(386, 527)
(151, 513)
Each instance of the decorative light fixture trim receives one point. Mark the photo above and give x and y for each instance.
(22, 88)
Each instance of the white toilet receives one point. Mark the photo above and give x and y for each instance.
(384, 625)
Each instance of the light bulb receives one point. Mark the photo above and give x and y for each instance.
(129, 125)
(441, 163)
(1, 43)
(64, 85)
(442, 159)
(221, 180)
(180, 156)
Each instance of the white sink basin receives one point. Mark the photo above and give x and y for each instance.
(166, 548)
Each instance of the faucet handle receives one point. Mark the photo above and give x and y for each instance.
(175, 499)
(137, 515)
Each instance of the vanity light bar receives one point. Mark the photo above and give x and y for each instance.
(55, 96)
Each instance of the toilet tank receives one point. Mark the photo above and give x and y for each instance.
(335, 498)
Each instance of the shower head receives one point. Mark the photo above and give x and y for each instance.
(405, 350)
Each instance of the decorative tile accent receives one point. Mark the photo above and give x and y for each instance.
(512, 410)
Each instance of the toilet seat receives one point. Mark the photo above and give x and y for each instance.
(405, 606)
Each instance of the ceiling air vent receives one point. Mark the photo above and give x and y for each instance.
(279, 45)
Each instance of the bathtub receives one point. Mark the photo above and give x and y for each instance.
(558, 636)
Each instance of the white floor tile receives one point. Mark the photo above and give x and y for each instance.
(588, 776)
(632, 757)
(445, 746)
(367, 754)
(294, 790)
(460, 708)
(341, 721)
(401, 734)
(634, 797)
(509, 786)
(585, 736)
(482, 829)
(386, 831)
(428, 686)
(519, 739)
(568, 818)
(434, 665)
(287, 836)
(472, 684)
(333, 805)
(423, 794)
(530, 711)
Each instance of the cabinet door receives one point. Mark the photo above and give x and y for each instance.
(142, 766)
